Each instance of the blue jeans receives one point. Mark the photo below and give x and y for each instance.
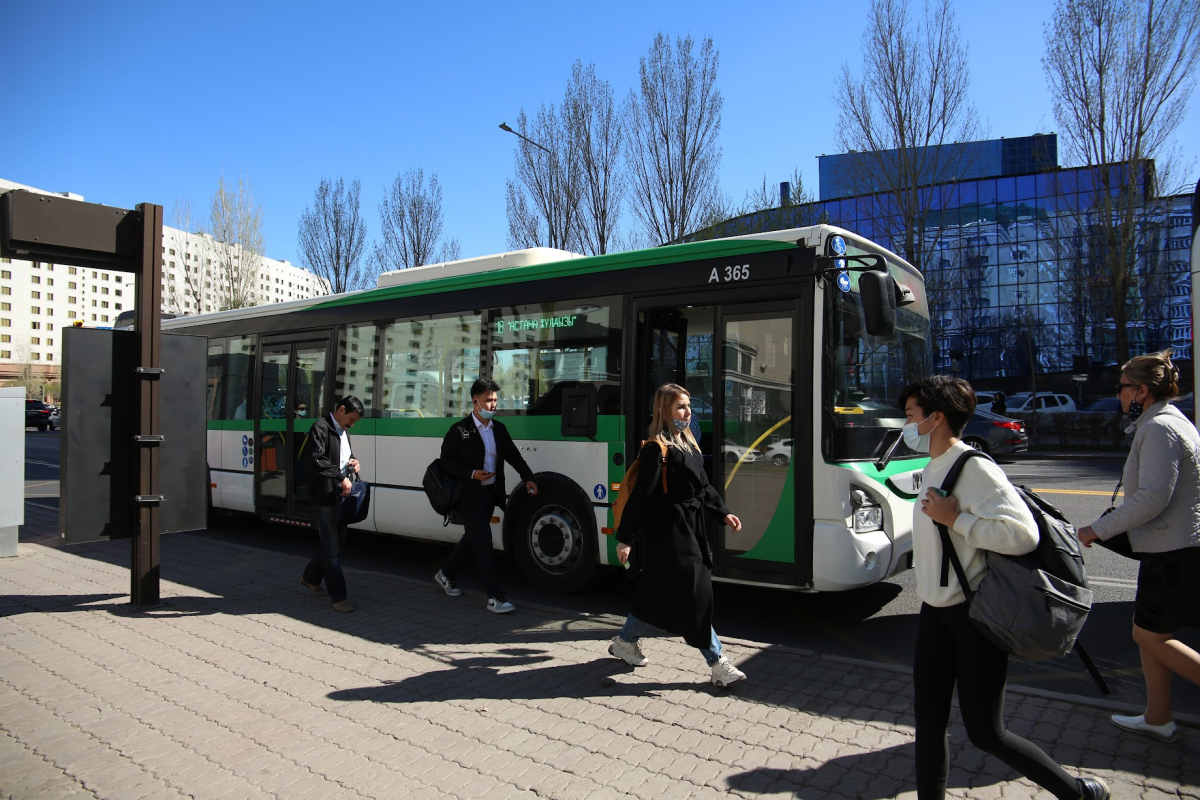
(635, 629)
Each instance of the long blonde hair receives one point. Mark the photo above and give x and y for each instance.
(661, 426)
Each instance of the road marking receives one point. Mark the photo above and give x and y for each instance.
(1123, 583)
(42, 463)
(1076, 491)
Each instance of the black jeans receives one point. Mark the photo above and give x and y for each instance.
(478, 538)
(327, 563)
(950, 650)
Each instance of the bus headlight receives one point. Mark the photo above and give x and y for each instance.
(868, 514)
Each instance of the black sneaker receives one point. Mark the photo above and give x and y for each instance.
(1092, 789)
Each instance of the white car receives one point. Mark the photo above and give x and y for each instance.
(736, 452)
(779, 453)
(1047, 403)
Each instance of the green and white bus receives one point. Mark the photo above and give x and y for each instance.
(793, 344)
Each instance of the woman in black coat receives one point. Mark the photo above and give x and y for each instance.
(667, 530)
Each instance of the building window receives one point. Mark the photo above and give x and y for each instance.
(36, 295)
(35, 309)
(37, 326)
(36, 356)
(71, 270)
(70, 315)
(49, 356)
(5, 290)
(34, 340)
(71, 300)
(6, 274)
(5, 322)
(93, 317)
(104, 275)
(6, 337)
(118, 279)
(117, 306)
(35, 278)
(49, 281)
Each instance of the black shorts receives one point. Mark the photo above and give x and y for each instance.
(1166, 592)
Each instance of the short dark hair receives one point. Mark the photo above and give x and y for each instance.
(954, 397)
(351, 404)
(484, 386)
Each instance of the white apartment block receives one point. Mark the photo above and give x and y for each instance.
(39, 299)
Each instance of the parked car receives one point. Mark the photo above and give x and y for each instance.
(736, 452)
(1105, 405)
(37, 415)
(779, 453)
(995, 435)
(1047, 403)
(55, 418)
(983, 401)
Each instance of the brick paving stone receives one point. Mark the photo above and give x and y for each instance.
(242, 686)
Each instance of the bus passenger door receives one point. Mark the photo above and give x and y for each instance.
(737, 362)
(292, 395)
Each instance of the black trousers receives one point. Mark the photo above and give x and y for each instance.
(477, 516)
(951, 651)
(327, 563)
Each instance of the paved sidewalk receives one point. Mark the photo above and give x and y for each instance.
(242, 685)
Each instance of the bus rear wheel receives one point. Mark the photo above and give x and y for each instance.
(552, 543)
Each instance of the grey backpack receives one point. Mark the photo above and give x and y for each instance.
(1031, 606)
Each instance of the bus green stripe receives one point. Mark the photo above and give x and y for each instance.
(608, 427)
(671, 254)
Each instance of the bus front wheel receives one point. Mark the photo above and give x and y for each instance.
(552, 543)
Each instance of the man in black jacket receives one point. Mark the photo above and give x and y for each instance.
(474, 452)
(329, 464)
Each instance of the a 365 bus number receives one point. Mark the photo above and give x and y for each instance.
(736, 272)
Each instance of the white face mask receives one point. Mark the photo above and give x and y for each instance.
(303, 412)
(915, 440)
(484, 413)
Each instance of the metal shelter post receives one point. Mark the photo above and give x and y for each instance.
(144, 572)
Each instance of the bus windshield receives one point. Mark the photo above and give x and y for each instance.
(866, 374)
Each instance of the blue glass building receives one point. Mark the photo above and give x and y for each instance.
(1011, 256)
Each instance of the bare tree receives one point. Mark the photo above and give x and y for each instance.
(193, 254)
(236, 229)
(543, 202)
(767, 196)
(910, 103)
(1121, 73)
(411, 220)
(672, 125)
(596, 134)
(333, 236)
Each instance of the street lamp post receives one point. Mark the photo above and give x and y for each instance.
(553, 169)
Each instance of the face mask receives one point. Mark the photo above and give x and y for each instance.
(302, 412)
(1135, 410)
(484, 414)
(913, 439)
(681, 425)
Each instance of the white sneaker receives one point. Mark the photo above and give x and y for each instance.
(724, 673)
(498, 605)
(447, 585)
(1138, 724)
(629, 652)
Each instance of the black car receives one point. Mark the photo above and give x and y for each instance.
(37, 415)
(993, 434)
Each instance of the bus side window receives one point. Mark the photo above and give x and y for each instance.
(239, 378)
(540, 350)
(358, 348)
(215, 378)
(429, 366)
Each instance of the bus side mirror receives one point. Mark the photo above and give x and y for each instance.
(878, 292)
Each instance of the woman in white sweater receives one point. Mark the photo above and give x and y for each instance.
(983, 513)
(1161, 513)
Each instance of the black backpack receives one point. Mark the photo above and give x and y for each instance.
(442, 490)
(1032, 606)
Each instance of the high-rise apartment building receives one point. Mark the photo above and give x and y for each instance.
(39, 299)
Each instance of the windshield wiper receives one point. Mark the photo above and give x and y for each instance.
(894, 435)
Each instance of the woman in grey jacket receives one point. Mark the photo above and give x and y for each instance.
(1161, 513)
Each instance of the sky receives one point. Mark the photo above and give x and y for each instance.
(133, 102)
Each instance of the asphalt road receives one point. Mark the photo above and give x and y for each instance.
(877, 623)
